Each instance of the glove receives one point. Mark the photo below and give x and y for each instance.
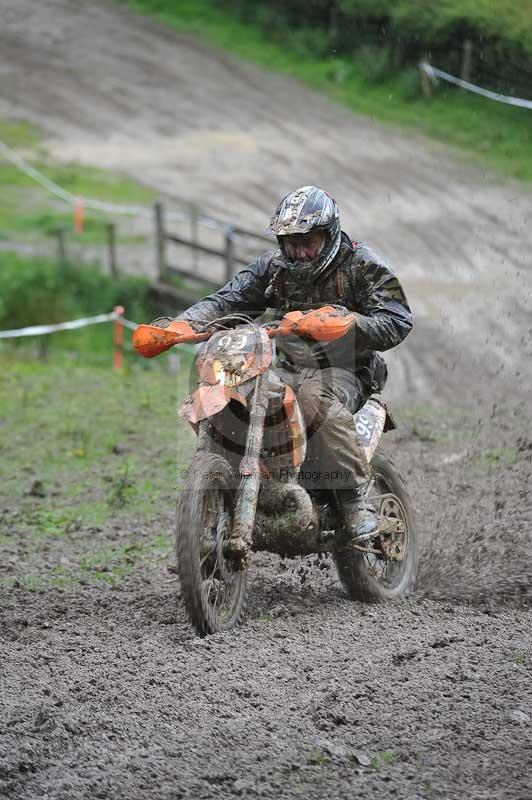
(181, 326)
(324, 324)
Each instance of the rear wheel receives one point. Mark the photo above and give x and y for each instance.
(388, 567)
(213, 588)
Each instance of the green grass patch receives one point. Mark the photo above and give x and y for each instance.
(39, 292)
(28, 213)
(18, 133)
(492, 134)
(21, 220)
(88, 470)
(498, 457)
(27, 210)
(387, 757)
(430, 423)
(384, 759)
(79, 180)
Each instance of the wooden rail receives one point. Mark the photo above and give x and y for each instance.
(228, 254)
(61, 235)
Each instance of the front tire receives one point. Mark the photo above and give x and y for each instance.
(213, 588)
(372, 578)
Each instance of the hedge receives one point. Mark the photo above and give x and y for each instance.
(500, 31)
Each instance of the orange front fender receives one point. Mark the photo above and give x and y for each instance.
(208, 400)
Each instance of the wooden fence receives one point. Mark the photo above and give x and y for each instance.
(60, 235)
(234, 253)
(210, 252)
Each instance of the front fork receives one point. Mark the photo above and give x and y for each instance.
(248, 490)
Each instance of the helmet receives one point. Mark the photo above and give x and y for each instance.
(308, 209)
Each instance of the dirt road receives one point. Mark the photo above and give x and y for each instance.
(108, 693)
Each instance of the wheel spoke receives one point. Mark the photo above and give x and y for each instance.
(221, 585)
(213, 592)
(386, 565)
(391, 507)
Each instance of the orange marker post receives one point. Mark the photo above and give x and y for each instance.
(79, 212)
(118, 338)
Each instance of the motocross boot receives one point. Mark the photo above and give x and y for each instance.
(360, 516)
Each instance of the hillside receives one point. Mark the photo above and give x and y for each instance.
(184, 118)
(105, 690)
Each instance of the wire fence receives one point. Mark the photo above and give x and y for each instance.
(435, 74)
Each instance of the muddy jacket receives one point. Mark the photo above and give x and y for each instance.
(357, 279)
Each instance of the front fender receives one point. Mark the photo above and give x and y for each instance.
(208, 400)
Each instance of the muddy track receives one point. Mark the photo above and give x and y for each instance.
(108, 693)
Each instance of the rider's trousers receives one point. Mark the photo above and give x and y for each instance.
(328, 399)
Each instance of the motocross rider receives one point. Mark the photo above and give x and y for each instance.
(317, 264)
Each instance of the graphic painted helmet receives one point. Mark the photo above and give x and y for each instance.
(308, 209)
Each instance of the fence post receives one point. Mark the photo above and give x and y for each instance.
(467, 61)
(61, 246)
(79, 214)
(111, 244)
(118, 338)
(160, 241)
(229, 253)
(426, 88)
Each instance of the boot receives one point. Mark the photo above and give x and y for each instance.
(360, 517)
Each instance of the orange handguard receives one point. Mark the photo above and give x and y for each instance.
(324, 324)
(150, 340)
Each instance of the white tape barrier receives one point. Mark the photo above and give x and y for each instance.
(98, 205)
(41, 330)
(128, 324)
(435, 73)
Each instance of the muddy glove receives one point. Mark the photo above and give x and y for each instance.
(324, 324)
(164, 322)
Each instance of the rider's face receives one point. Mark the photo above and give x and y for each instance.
(304, 246)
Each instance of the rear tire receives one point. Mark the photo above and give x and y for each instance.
(213, 589)
(374, 579)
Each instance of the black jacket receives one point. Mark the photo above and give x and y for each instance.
(358, 279)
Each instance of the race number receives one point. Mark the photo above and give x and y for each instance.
(365, 426)
(235, 341)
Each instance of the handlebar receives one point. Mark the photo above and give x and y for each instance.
(324, 324)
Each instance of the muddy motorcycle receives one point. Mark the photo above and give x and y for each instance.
(243, 490)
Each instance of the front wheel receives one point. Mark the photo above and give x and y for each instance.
(213, 587)
(380, 575)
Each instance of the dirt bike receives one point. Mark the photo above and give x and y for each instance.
(243, 491)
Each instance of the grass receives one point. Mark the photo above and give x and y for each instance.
(88, 469)
(28, 211)
(492, 134)
(429, 424)
(37, 292)
(498, 457)
(521, 657)
(464, 440)
(18, 133)
(387, 757)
